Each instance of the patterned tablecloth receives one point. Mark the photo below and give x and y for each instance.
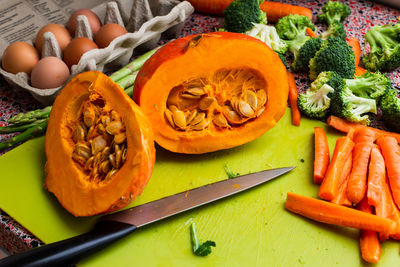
(364, 15)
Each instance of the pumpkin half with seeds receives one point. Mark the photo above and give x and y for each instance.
(212, 91)
(99, 146)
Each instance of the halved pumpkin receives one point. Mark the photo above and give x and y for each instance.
(212, 91)
(99, 146)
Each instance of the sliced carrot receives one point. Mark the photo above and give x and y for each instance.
(355, 45)
(369, 242)
(330, 213)
(293, 94)
(344, 126)
(341, 198)
(357, 184)
(332, 180)
(359, 71)
(276, 10)
(321, 157)
(364, 134)
(391, 154)
(310, 32)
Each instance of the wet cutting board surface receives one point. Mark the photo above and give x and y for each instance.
(250, 229)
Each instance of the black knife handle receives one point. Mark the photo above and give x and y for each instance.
(69, 251)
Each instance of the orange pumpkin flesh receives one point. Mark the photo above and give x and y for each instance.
(230, 68)
(85, 191)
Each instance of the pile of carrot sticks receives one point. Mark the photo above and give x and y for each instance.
(359, 185)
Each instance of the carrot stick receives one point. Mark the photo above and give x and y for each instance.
(321, 158)
(330, 213)
(391, 154)
(344, 126)
(355, 45)
(364, 134)
(341, 198)
(276, 10)
(310, 32)
(379, 194)
(359, 71)
(369, 242)
(215, 7)
(357, 184)
(333, 176)
(293, 94)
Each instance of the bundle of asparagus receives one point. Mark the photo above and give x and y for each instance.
(34, 123)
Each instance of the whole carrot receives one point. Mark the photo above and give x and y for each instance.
(341, 197)
(293, 94)
(391, 154)
(321, 154)
(333, 177)
(355, 45)
(276, 10)
(369, 243)
(330, 213)
(215, 7)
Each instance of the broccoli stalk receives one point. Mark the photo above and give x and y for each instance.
(346, 105)
(390, 106)
(200, 249)
(334, 11)
(240, 15)
(384, 42)
(335, 29)
(369, 85)
(315, 102)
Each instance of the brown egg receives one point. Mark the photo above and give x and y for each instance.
(107, 33)
(49, 72)
(19, 57)
(93, 19)
(60, 32)
(76, 48)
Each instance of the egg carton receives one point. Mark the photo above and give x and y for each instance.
(145, 20)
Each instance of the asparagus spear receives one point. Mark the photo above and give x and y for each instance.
(31, 116)
(20, 128)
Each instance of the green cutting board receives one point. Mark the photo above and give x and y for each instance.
(250, 229)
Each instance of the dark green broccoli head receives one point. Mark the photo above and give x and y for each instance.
(334, 55)
(240, 15)
(369, 85)
(335, 29)
(315, 102)
(390, 106)
(384, 42)
(306, 52)
(334, 11)
(283, 59)
(293, 26)
(353, 108)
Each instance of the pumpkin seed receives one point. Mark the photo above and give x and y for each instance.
(110, 174)
(179, 119)
(259, 112)
(114, 127)
(220, 121)
(191, 115)
(206, 102)
(105, 153)
(81, 160)
(89, 163)
(98, 144)
(118, 158)
(115, 116)
(123, 158)
(120, 138)
(79, 133)
(244, 109)
(89, 115)
(82, 150)
(173, 108)
(105, 120)
(251, 99)
(231, 115)
(189, 96)
(105, 167)
(199, 118)
(196, 91)
(200, 126)
(261, 98)
(111, 158)
(168, 116)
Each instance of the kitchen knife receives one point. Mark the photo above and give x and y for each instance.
(114, 226)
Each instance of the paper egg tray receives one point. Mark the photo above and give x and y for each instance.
(145, 20)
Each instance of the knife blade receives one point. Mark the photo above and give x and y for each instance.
(114, 226)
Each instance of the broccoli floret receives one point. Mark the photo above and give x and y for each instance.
(268, 35)
(353, 108)
(369, 85)
(334, 55)
(305, 53)
(334, 11)
(335, 29)
(240, 15)
(384, 42)
(315, 102)
(390, 106)
(283, 59)
(293, 26)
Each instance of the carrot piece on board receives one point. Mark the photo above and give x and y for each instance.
(359, 71)
(215, 7)
(369, 242)
(276, 10)
(293, 94)
(364, 134)
(332, 180)
(341, 198)
(321, 154)
(357, 183)
(391, 154)
(330, 213)
(344, 126)
(355, 45)
(379, 194)
(310, 32)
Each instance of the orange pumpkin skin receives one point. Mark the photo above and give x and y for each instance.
(196, 56)
(66, 180)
